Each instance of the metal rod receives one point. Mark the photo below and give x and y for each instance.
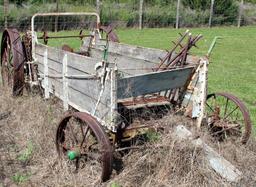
(170, 52)
(68, 36)
(87, 77)
(34, 37)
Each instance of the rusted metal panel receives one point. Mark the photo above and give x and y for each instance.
(152, 82)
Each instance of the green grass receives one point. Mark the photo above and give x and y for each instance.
(232, 64)
(19, 178)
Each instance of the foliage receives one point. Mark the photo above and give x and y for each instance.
(124, 13)
(115, 184)
(26, 155)
(226, 11)
(152, 136)
(20, 178)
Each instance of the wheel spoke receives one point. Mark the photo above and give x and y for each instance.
(225, 117)
(209, 107)
(231, 114)
(84, 135)
(72, 136)
(226, 106)
(88, 152)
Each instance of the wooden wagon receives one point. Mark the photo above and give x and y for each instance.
(106, 86)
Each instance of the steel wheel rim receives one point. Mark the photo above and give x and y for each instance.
(229, 115)
(12, 61)
(7, 64)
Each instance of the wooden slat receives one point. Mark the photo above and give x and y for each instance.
(125, 64)
(83, 99)
(75, 61)
(138, 52)
(218, 163)
(152, 82)
(88, 103)
(147, 54)
(82, 94)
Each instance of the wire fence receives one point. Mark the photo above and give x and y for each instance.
(127, 14)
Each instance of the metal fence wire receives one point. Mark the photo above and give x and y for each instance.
(130, 13)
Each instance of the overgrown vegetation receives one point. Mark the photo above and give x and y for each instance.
(27, 153)
(125, 13)
(20, 178)
(162, 163)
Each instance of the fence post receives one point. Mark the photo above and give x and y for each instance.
(56, 17)
(140, 14)
(240, 13)
(6, 5)
(211, 13)
(178, 14)
(98, 6)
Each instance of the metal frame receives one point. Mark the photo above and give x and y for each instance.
(34, 36)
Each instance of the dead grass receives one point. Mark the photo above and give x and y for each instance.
(28, 156)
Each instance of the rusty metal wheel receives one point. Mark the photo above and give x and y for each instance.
(228, 117)
(81, 138)
(12, 61)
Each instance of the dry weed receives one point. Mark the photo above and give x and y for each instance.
(28, 156)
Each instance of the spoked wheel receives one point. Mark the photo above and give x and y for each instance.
(81, 138)
(228, 117)
(12, 61)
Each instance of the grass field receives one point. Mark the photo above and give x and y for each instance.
(232, 64)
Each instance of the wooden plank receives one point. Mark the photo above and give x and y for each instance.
(88, 103)
(65, 82)
(46, 80)
(84, 96)
(137, 52)
(90, 88)
(152, 82)
(219, 164)
(75, 61)
(125, 64)
(142, 53)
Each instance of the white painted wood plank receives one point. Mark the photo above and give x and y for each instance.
(65, 82)
(218, 163)
(46, 80)
(76, 62)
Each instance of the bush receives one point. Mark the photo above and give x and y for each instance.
(225, 12)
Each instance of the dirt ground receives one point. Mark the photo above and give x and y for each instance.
(28, 155)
